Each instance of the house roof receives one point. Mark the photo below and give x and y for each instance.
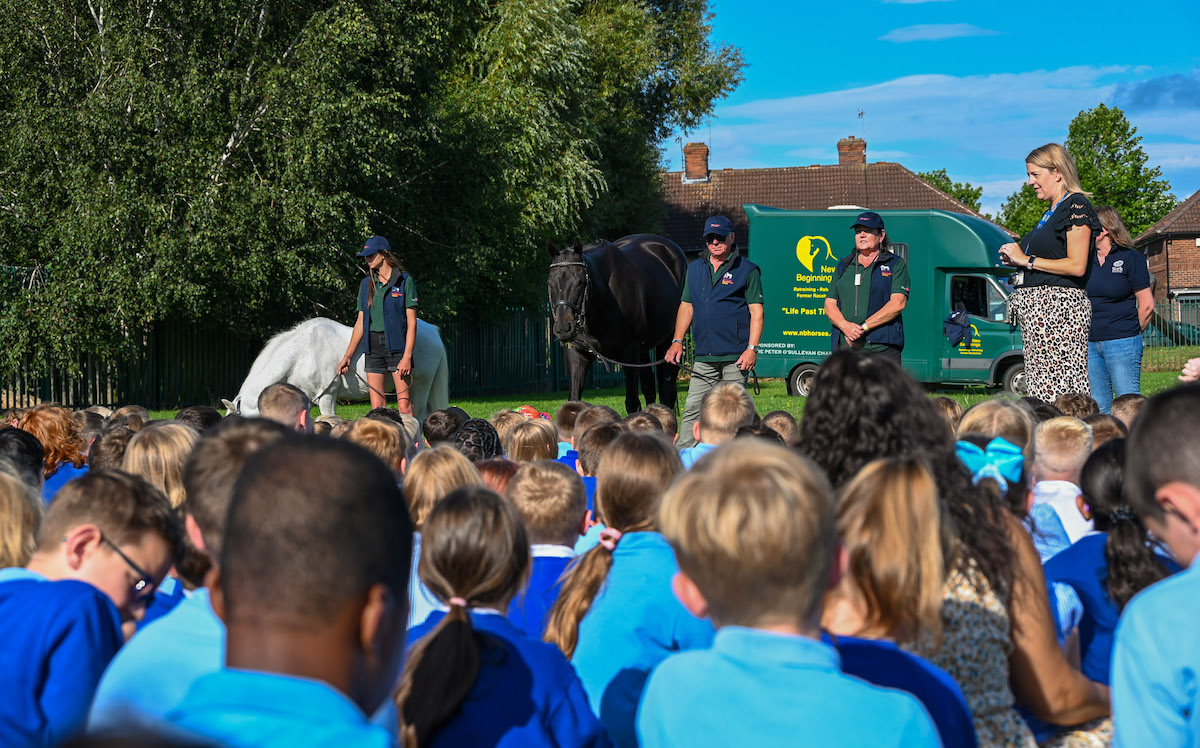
(879, 186)
(1185, 219)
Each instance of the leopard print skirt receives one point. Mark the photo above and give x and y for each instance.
(1054, 323)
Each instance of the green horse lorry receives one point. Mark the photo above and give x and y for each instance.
(953, 266)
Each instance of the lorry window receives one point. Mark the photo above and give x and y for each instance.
(978, 296)
(900, 249)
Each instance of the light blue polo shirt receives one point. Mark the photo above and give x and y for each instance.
(1156, 665)
(251, 709)
(634, 623)
(757, 688)
(153, 672)
(689, 455)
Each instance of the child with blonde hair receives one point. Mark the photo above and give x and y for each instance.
(552, 502)
(385, 439)
(724, 409)
(536, 439)
(433, 474)
(471, 676)
(616, 616)
(753, 529)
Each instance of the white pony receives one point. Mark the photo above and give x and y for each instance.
(307, 356)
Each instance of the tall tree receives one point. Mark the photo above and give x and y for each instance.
(964, 192)
(1021, 211)
(221, 161)
(1112, 165)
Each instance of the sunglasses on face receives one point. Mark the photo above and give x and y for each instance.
(714, 239)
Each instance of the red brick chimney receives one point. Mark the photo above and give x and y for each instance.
(852, 151)
(695, 162)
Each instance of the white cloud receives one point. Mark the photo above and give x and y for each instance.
(925, 32)
(978, 127)
(1173, 155)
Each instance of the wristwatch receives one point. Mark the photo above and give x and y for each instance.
(752, 348)
(677, 340)
(1030, 263)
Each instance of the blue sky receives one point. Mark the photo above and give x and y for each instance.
(970, 86)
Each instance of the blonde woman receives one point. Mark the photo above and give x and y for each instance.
(432, 474)
(1122, 302)
(1050, 303)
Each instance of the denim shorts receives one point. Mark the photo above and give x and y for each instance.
(378, 359)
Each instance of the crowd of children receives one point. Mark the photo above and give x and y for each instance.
(888, 570)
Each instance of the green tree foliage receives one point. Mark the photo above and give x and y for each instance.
(1111, 165)
(964, 192)
(221, 161)
(1021, 211)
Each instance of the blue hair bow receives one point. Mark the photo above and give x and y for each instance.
(1001, 461)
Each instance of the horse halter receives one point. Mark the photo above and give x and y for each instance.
(578, 323)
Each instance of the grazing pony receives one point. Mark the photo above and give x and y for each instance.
(619, 300)
(308, 354)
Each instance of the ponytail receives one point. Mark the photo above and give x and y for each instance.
(1129, 552)
(580, 588)
(1132, 563)
(438, 675)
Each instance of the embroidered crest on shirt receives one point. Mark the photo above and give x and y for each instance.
(886, 270)
(727, 280)
(1118, 266)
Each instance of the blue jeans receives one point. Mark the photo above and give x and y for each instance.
(1114, 365)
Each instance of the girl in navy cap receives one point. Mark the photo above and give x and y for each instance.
(386, 327)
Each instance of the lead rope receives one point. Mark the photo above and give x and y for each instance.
(333, 386)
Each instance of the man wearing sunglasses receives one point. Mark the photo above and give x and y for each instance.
(104, 546)
(722, 302)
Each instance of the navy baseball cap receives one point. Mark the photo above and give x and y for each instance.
(718, 225)
(870, 219)
(373, 245)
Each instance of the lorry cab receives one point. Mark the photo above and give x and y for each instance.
(954, 265)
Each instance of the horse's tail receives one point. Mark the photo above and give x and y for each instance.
(439, 388)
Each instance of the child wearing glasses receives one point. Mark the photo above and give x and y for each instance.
(103, 548)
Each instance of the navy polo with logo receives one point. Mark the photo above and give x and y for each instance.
(1111, 288)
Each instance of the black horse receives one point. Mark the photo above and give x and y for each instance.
(619, 300)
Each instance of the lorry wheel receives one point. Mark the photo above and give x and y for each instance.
(1014, 380)
(801, 379)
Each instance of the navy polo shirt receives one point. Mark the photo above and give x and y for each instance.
(1111, 287)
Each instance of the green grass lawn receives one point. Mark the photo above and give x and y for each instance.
(774, 397)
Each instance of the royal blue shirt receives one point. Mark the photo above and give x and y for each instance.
(757, 688)
(525, 695)
(530, 609)
(250, 709)
(65, 474)
(153, 672)
(1156, 665)
(884, 664)
(634, 624)
(55, 640)
(1111, 288)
